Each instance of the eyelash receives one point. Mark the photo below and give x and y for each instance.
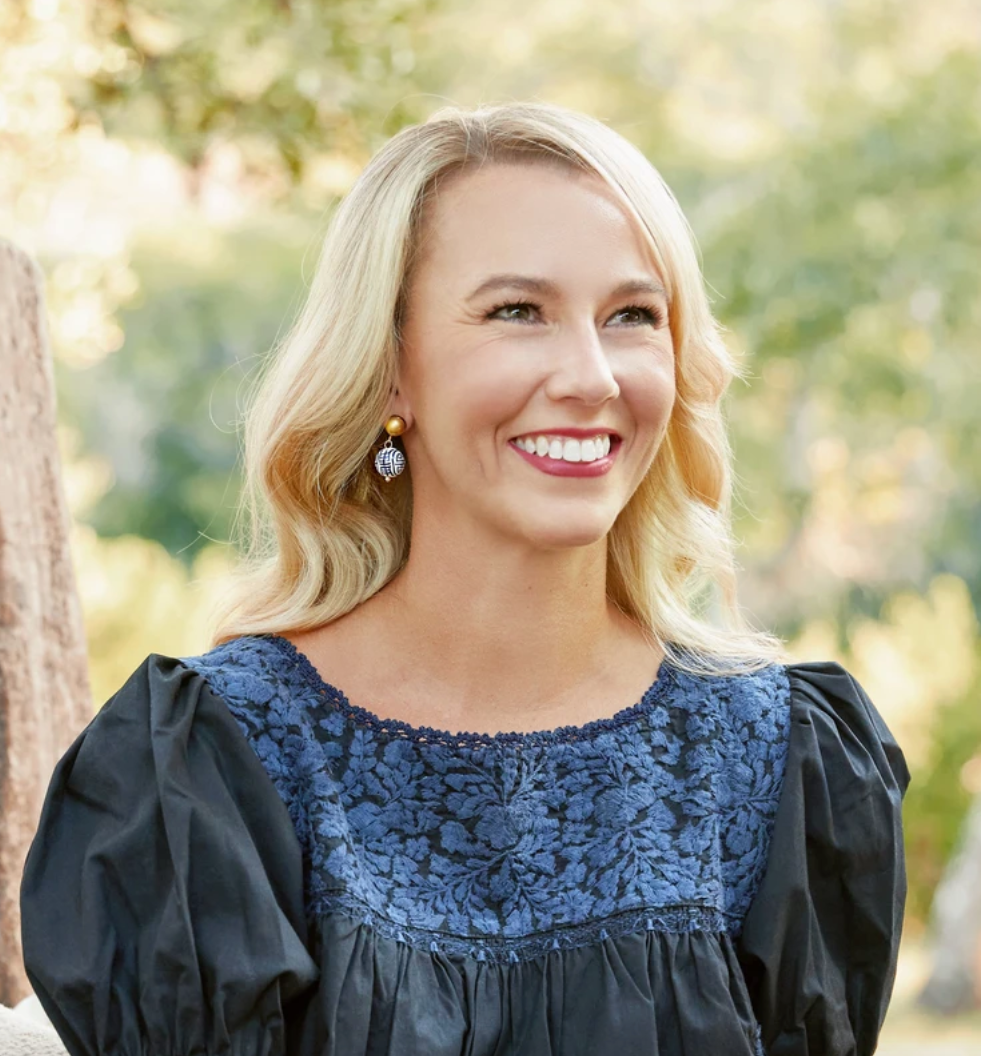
(654, 316)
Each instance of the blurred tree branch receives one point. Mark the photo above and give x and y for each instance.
(305, 76)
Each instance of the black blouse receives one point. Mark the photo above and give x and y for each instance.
(235, 860)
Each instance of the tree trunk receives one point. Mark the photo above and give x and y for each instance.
(955, 981)
(44, 690)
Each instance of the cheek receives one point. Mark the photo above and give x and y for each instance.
(490, 393)
(647, 386)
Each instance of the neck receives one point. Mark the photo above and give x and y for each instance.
(507, 620)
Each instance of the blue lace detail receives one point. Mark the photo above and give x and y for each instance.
(500, 846)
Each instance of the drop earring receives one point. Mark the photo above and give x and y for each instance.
(390, 461)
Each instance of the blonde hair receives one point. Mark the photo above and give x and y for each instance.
(325, 533)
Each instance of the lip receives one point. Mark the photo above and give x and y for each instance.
(557, 467)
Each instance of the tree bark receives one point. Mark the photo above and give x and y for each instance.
(45, 698)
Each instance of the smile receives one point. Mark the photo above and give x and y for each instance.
(567, 457)
(568, 449)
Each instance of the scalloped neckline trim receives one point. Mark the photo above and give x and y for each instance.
(667, 675)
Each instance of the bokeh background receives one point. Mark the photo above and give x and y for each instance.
(172, 165)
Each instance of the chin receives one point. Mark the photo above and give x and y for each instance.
(566, 532)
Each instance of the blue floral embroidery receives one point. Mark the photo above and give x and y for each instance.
(506, 846)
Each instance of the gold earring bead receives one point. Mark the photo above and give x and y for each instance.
(395, 426)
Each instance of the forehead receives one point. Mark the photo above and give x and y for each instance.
(530, 216)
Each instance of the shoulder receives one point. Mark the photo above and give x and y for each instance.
(846, 723)
(753, 709)
(243, 686)
(844, 757)
(241, 668)
(822, 681)
(267, 692)
(816, 712)
(252, 675)
(738, 726)
(162, 732)
(244, 670)
(803, 691)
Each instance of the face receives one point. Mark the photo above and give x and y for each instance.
(535, 334)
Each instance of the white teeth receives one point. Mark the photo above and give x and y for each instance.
(568, 450)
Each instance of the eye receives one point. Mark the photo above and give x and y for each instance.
(508, 308)
(644, 315)
(647, 315)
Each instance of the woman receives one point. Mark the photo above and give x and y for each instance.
(658, 837)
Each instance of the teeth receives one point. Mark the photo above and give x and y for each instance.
(568, 450)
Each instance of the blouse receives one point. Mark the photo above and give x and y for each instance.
(235, 860)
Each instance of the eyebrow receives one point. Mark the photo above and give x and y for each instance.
(547, 288)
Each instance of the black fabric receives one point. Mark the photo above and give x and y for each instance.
(162, 908)
(820, 943)
(163, 913)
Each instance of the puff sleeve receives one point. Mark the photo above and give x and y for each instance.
(162, 897)
(820, 942)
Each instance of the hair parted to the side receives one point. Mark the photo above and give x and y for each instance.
(324, 532)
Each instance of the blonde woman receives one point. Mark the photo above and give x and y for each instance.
(466, 768)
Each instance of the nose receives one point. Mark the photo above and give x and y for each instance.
(582, 369)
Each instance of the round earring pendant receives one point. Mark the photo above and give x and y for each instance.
(389, 461)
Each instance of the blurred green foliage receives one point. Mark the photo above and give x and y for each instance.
(938, 800)
(848, 266)
(164, 413)
(296, 74)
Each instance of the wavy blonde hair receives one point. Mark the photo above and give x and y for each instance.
(324, 533)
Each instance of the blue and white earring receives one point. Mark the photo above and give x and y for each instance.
(390, 461)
